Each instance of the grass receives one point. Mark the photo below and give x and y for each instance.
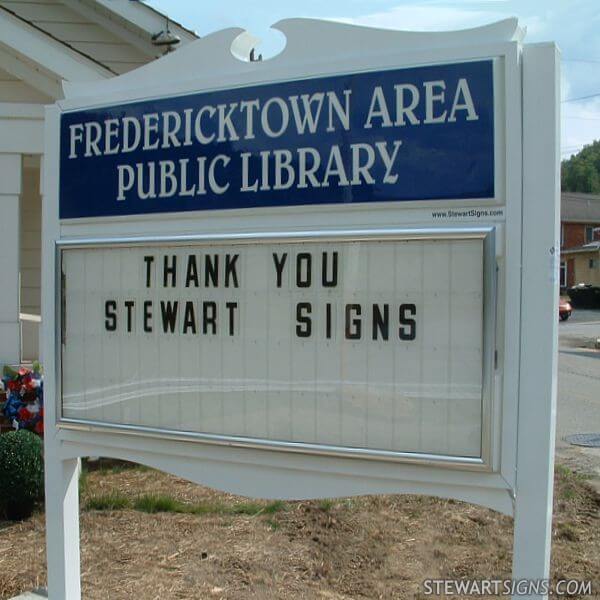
(83, 481)
(567, 531)
(159, 503)
(108, 466)
(566, 473)
(110, 501)
(326, 504)
(105, 467)
(163, 503)
(254, 508)
(568, 483)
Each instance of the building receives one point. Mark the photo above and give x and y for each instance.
(580, 228)
(584, 263)
(42, 44)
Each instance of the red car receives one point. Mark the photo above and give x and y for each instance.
(564, 309)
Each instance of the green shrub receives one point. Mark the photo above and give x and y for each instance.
(21, 473)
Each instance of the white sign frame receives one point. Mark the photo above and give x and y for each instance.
(519, 481)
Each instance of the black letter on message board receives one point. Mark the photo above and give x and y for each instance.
(189, 319)
(381, 322)
(334, 274)
(148, 316)
(211, 269)
(328, 320)
(170, 271)
(307, 258)
(410, 331)
(129, 305)
(110, 312)
(230, 269)
(353, 334)
(279, 264)
(209, 319)
(148, 260)
(304, 327)
(169, 315)
(231, 306)
(192, 272)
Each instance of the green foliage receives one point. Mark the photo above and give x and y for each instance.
(159, 503)
(111, 501)
(255, 508)
(274, 507)
(163, 503)
(8, 371)
(153, 503)
(83, 480)
(581, 172)
(326, 504)
(21, 473)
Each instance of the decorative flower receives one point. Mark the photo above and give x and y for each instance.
(24, 406)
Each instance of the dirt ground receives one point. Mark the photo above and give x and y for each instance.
(368, 547)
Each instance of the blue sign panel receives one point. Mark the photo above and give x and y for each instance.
(424, 133)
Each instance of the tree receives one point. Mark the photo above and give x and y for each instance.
(581, 172)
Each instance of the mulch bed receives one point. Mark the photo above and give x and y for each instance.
(368, 547)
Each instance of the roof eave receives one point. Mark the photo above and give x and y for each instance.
(146, 18)
(33, 45)
(580, 250)
(582, 221)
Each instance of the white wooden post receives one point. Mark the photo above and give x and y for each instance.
(539, 313)
(62, 527)
(40, 328)
(10, 190)
(61, 475)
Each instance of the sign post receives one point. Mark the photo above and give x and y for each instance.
(309, 277)
(539, 297)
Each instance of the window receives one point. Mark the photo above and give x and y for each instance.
(563, 274)
(589, 234)
(593, 263)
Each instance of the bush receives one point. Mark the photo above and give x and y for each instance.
(21, 473)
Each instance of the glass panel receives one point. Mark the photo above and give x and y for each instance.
(371, 344)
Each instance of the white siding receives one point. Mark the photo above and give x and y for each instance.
(31, 216)
(81, 33)
(15, 90)
(101, 41)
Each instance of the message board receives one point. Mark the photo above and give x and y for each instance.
(344, 343)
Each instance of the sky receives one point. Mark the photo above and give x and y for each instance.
(573, 24)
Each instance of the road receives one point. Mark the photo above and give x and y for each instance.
(578, 407)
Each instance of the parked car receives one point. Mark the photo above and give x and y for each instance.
(585, 295)
(564, 309)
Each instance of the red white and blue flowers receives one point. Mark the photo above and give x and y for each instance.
(24, 406)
